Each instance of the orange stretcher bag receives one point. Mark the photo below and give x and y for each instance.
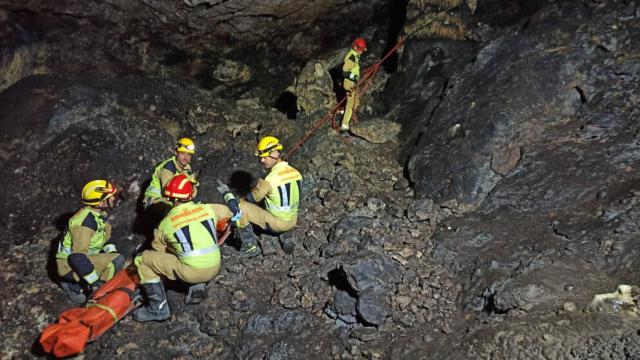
(113, 301)
(77, 326)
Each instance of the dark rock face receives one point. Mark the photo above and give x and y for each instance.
(285, 322)
(373, 307)
(542, 179)
(367, 281)
(516, 88)
(193, 40)
(345, 306)
(372, 272)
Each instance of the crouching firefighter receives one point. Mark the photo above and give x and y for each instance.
(184, 248)
(84, 259)
(280, 191)
(180, 163)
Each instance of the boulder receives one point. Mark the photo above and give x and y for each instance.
(377, 131)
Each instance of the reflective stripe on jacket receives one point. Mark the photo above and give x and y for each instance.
(154, 190)
(283, 200)
(99, 232)
(190, 230)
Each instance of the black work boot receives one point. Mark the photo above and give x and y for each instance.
(288, 242)
(157, 308)
(74, 293)
(196, 294)
(249, 244)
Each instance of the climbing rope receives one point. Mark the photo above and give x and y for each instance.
(362, 85)
(314, 128)
(372, 70)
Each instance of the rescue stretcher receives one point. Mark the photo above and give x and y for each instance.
(109, 304)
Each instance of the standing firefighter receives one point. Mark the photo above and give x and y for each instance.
(351, 74)
(180, 163)
(84, 259)
(184, 248)
(280, 190)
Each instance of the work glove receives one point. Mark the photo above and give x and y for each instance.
(233, 205)
(146, 202)
(109, 248)
(222, 187)
(353, 77)
(230, 200)
(236, 217)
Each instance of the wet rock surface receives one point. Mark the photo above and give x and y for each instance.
(482, 229)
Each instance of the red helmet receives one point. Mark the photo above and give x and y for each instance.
(359, 44)
(180, 187)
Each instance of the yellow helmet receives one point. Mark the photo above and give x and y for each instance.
(266, 145)
(97, 190)
(185, 145)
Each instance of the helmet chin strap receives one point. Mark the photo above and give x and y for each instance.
(274, 157)
(100, 206)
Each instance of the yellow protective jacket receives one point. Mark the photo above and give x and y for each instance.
(351, 69)
(189, 231)
(162, 174)
(280, 190)
(87, 234)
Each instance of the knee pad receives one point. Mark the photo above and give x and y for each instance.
(80, 264)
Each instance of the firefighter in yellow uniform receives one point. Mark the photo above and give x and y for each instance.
(280, 190)
(351, 74)
(180, 163)
(84, 258)
(184, 248)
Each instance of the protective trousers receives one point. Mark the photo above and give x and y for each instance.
(254, 214)
(102, 264)
(352, 103)
(151, 264)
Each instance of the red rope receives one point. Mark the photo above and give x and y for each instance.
(372, 70)
(367, 75)
(315, 127)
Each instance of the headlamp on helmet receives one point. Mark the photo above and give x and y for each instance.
(185, 145)
(266, 145)
(95, 191)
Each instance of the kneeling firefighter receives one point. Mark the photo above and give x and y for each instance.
(84, 259)
(279, 190)
(184, 248)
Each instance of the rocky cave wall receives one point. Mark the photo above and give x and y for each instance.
(490, 194)
(192, 40)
